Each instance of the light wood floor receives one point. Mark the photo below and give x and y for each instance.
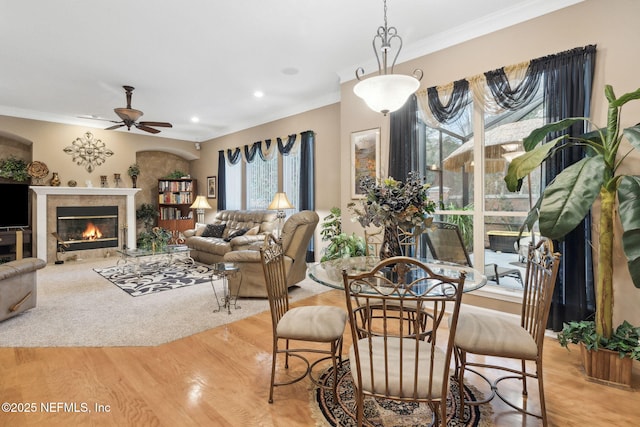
(220, 377)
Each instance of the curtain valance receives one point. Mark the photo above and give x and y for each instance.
(264, 149)
(506, 88)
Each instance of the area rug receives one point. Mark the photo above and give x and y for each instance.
(148, 278)
(78, 308)
(388, 413)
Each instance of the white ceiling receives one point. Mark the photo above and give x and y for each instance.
(64, 59)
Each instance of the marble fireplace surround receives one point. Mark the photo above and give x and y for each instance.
(47, 199)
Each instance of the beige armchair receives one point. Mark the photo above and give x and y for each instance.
(296, 235)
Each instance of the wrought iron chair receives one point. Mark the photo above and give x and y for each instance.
(373, 241)
(487, 335)
(387, 359)
(323, 324)
(446, 244)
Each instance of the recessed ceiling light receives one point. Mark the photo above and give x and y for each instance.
(258, 94)
(195, 119)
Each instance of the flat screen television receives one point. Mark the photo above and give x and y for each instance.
(15, 209)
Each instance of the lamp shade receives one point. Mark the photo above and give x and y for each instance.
(280, 202)
(386, 92)
(200, 203)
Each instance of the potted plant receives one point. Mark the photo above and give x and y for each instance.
(568, 199)
(341, 244)
(14, 168)
(391, 204)
(133, 172)
(155, 239)
(147, 213)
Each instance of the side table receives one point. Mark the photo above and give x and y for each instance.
(222, 270)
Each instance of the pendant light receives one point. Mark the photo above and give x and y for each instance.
(386, 92)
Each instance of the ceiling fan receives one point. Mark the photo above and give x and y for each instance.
(130, 116)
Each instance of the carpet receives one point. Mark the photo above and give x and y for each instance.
(385, 412)
(78, 308)
(151, 277)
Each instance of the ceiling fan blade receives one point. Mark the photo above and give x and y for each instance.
(146, 128)
(157, 124)
(115, 126)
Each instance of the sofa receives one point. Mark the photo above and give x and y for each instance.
(18, 287)
(296, 235)
(231, 230)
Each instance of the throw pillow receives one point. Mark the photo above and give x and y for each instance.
(236, 233)
(214, 230)
(200, 229)
(253, 231)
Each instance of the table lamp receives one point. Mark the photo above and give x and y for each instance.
(200, 205)
(280, 202)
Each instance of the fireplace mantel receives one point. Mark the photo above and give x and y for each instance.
(42, 192)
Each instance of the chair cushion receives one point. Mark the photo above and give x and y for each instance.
(312, 323)
(494, 336)
(393, 358)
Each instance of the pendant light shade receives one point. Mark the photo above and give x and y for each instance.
(386, 93)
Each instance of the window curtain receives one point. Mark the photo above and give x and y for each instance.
(567, 78)
(222, 181)
(307, 181)
(567, 93)
(233, 157)
(403, 140)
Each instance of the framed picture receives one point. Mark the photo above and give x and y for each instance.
(212, 187)
(365, 158)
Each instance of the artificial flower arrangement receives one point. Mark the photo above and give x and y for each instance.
(389, 202)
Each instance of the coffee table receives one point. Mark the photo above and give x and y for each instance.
(132, 257)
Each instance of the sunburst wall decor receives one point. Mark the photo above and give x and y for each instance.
(88, 151)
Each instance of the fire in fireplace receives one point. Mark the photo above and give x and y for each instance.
(88, 227)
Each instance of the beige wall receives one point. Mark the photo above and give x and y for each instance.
(325, 122)
(49, 140)
(610, 24)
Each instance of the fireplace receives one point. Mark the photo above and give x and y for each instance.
(87, 227)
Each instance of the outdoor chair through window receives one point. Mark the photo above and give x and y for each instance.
(446, 244)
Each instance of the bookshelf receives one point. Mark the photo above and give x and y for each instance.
(174, 198)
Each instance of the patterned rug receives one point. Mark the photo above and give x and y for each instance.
(156, 276)
(389, 413)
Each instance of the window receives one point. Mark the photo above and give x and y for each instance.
(261, 180)
(487, 214)
(261, 183)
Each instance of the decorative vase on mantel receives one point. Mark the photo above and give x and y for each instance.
(55, 180)
(390, 246)
(134, 180)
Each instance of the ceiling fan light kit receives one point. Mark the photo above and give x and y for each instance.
(129, 117)
(386, 92)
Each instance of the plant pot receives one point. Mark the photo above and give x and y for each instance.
(606, 366)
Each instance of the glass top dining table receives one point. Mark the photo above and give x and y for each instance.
(329, 273)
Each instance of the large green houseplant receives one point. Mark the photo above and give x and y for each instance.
(341, 245)
(569, 198)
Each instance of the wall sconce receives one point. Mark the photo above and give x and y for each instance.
(200, 204)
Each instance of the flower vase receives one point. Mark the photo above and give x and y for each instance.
(390, 243)
(134, 180)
